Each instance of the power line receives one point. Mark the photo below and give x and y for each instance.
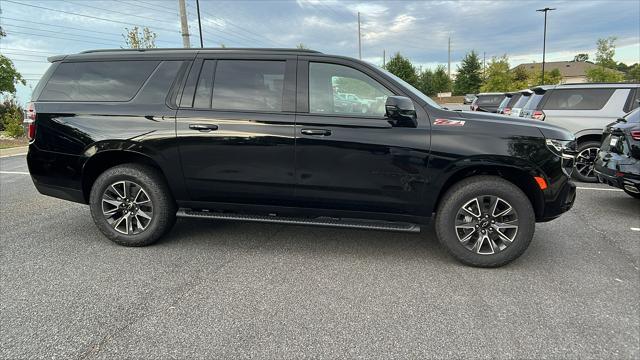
(25, 50)
(115, 12)
(82, 15)
(152, 7)
(73, 28)
(68, 34)
(259, 37)
(57, 37)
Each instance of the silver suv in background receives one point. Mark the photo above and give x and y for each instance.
(529, 109)
(525, 95)
(585, 109)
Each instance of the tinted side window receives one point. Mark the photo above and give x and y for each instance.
(248, 85)
(97, 80)
(521, 101)
(514, 99)
(577, 99)
(490, 99)
(204, 88)
(338, 89)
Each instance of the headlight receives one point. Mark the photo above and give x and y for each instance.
(562, 148)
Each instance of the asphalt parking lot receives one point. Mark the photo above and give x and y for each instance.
(215, 289)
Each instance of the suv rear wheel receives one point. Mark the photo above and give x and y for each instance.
(485, 221)
(131, 205)
(585, 161)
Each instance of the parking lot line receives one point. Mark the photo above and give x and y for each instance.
(593, 188)
(14, 172)
(12, 155)
(635, 229)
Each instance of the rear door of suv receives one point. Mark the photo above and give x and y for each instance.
(354, 159)
(235, 127)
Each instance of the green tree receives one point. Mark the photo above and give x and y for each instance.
(606, 51)
(521, 78)
(498, 76)
(9, 76)
(581, 57)
(603, 74)
(11, 117)
(425, 82)
(633, 73)
(301, 46)
(552, 77)
(469, 77)
(606, 70)
(136, 39)
(402, 68)
(440, 81)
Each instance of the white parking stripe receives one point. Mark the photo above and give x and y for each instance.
(14, 172)
(592, 188)
(635, 229)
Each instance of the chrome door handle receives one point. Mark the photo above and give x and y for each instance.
(203, 127)
(316, 132)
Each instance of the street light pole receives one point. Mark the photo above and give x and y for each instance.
(199, 23)
(544, 40)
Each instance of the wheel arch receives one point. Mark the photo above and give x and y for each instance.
(589, 135)
(520, 177)
(103, 160)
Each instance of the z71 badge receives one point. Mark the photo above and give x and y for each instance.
(447, 122)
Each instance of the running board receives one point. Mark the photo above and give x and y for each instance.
(320, 221)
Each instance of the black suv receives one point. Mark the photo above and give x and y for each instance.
(143, 136)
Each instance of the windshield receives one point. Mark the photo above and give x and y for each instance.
(415, 91)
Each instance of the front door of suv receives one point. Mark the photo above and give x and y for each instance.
(235, 127)
(348, 155)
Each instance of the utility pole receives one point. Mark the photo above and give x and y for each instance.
(384, 58)
(184, 24)
(544, 39)
(199, 23)
(449, 60)
(484, 63)
(359, 39)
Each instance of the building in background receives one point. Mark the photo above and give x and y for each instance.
(571, 71)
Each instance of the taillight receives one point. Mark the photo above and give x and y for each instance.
(30, 115)
(506, 111)
(538, 115)
(635, 134)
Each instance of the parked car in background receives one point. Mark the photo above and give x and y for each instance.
(508, 101)
(529, 109)
(525, 95)
(618, 161)
(585, 109)
(468, 99)
(487, 102)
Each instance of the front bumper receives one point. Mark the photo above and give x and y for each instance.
(561, 204)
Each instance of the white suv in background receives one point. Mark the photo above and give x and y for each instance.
(585, 109)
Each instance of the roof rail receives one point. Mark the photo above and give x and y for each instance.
(200, 49)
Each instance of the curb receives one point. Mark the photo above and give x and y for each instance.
(14, 151)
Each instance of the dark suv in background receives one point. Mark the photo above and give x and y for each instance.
(143, 136)
(487, 102)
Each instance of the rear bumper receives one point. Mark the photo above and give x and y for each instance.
(625, 181)
(55, 174)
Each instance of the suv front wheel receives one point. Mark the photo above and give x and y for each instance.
(485, 221)
(585, 161)
(132, 205)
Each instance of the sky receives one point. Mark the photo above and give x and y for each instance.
(418, 30)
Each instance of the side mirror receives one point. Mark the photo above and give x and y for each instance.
(400, 111)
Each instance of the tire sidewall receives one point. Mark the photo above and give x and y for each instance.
(148, 183)
(582, 147)
(469, 189)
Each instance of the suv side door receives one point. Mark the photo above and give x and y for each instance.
(235, 128)
(354, 159)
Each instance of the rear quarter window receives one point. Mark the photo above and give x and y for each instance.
(577, 99)
(489, 99)
(97, 80)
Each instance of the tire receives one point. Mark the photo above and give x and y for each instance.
(135, 229)
(635, 195)
(583, 168)
(485, 187)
